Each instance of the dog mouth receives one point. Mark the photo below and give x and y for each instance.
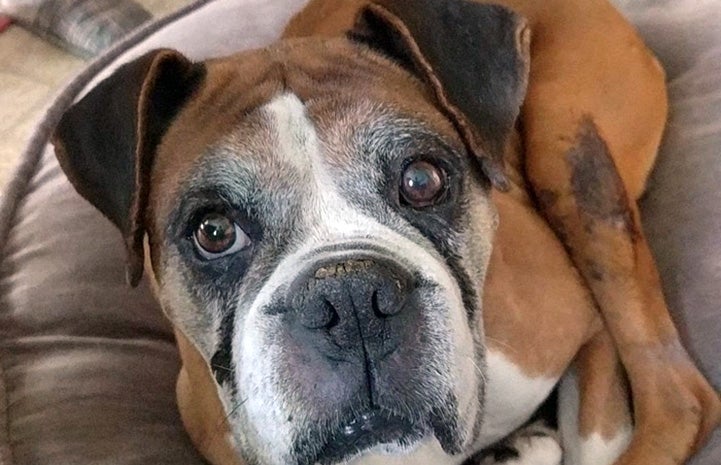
(367, 430)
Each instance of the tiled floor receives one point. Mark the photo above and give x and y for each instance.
(31, 72)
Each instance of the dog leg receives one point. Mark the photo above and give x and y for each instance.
(592, 123)
(584, 199)
(594, 417)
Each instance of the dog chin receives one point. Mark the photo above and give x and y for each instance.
(371, 433)
(382, 452)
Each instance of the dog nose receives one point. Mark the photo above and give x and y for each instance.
(354, 301)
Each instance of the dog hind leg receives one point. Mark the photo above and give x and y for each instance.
(593, 415)
(584, 199)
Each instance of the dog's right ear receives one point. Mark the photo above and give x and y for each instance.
(475, 58)
(106, 142)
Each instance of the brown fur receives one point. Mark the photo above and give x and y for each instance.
(196, 392)
(592, 123)
(602, 386)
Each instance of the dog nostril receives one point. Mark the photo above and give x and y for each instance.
(388, 300)
(334, 318)
(375, 304)
(319, 315)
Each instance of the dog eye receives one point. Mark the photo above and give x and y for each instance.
(422, 184)
(216, 236)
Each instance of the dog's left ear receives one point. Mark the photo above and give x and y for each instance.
(475, 58)
(106, 142)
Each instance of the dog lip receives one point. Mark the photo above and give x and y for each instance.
(366, 422)
(365, 431)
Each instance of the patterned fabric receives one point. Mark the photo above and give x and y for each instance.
(84, 27)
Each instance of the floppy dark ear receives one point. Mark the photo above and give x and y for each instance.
(105, 142)
(474, 56)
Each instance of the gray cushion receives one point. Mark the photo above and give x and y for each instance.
(87, 366)
(682, 207)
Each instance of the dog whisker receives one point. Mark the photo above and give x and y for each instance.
(501, 343)
(224, 420)
(220, 367)
(478, 369)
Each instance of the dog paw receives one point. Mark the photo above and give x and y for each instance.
(534, 444)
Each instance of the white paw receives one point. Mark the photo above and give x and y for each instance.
(535, 444)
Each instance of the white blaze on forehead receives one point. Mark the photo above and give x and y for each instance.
(294, 132)
(298, 145)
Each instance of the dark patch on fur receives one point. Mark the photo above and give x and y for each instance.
(222, 361)
(596, 184)
(594, 270)
(548, 411)
(546, 198)
(369, 30)
(499, 452)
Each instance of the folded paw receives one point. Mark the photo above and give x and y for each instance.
(534, 444)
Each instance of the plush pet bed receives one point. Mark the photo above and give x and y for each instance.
(88, 365)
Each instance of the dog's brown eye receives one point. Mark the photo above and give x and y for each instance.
(422, 184)
(217, 235)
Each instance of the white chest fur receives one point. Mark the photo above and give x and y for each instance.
(511, 398)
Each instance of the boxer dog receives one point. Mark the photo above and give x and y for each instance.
(386, 238)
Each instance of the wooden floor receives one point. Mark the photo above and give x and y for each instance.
(32, 71)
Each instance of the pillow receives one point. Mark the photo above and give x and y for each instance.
(83, 27)
(88, 366)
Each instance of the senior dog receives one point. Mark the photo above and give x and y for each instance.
(388, 236)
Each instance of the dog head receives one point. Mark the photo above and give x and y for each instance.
(318, 220)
